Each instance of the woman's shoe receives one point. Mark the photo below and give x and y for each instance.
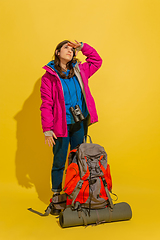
(55, 211)
(52, 210)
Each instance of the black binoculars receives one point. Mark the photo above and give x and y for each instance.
(77, 114)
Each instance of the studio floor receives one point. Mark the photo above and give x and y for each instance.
(19, 223)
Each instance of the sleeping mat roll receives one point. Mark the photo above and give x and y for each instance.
(120, 212)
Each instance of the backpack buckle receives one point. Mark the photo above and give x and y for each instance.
(104, 182)
(80, 184)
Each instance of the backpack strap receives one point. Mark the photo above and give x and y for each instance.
(105, 184)
(76, 192)
(47, 211)
(85, 139)
(83, 215)
(107, 192)
(69, 155)
(114, 195)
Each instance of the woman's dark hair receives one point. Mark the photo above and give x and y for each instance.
(69, 64)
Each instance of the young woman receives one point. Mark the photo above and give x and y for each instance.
(63, 87)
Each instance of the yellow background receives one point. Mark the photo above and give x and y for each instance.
(126, 33)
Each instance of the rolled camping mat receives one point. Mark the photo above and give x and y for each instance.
(120, 212)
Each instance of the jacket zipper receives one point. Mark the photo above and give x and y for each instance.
(77, 73)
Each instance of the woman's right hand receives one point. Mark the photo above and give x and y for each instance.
(74, 45)
(50, 140)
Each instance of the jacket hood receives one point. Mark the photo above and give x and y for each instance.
(50, 67)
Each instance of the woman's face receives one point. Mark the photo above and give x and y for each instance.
(66, 53)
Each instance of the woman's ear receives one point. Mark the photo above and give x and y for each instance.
(57, 52)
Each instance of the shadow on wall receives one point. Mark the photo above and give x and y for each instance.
(33, 158)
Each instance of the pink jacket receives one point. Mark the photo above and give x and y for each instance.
(53, 112)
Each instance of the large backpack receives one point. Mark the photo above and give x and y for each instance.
(87, 185)
(88, 179)
(87, 199)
